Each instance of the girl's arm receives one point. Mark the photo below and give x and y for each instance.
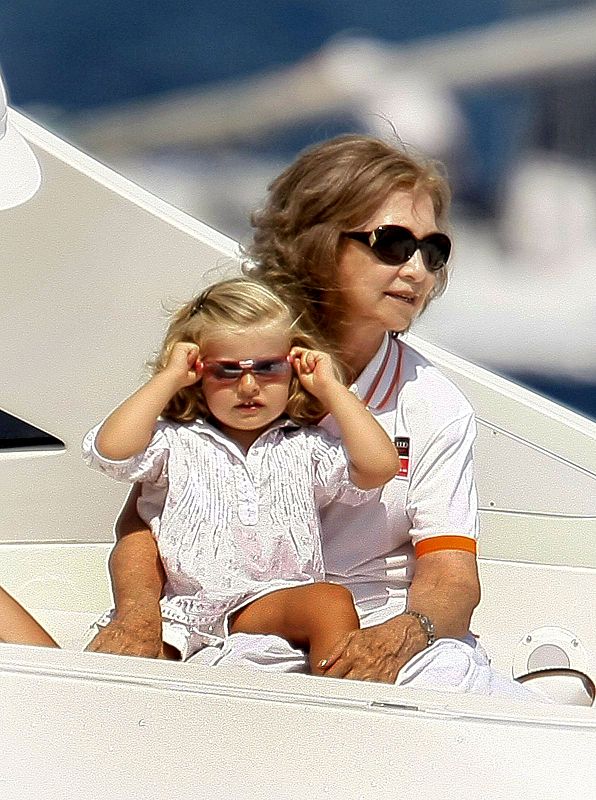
(128, 429)
(372, 454)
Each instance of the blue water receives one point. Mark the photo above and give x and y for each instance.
(59, 56)
(580, 396)
(85, 54)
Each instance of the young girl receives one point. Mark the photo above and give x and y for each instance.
(232, 480)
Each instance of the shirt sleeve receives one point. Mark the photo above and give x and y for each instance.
(442, 501)
(331, 472)
(150, 465)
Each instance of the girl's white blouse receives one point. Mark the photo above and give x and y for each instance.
(233, 525)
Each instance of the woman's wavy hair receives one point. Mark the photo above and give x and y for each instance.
(233, 306)
(333, 187)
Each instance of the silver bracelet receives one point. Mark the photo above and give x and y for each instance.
(426, 625)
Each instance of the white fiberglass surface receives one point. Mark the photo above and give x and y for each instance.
(119, 732)
(95, 260)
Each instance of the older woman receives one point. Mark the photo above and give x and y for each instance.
(352, 234)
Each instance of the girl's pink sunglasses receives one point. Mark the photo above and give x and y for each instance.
(263, 369)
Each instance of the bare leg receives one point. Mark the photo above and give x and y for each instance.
(17, 626)
(315, 616)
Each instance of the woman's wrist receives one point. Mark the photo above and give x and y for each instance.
(407, 631)
(425, 623)
(140, 608)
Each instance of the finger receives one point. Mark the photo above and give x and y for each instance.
(195, 369)
(192, 354)
(337, 670)
(297, 355)
(104, 647)
(294, 358)
(183, 347)
(352, 675)
(306, 361)
(334, 655)
(301, 364)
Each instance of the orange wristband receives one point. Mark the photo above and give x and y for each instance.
(435, 543)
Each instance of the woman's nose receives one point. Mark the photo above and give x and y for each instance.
(414, 268)
(248, 384)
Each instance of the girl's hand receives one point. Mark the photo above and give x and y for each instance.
(184, 365)
(315, 371)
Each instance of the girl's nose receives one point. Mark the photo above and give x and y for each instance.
(248, 384)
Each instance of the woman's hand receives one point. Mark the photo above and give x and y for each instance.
(377, 653)
(184, 365)
(134, 632)
(315, 372)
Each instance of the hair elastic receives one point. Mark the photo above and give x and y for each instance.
(197, 306)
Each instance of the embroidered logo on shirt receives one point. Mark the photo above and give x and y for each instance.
(402, 445)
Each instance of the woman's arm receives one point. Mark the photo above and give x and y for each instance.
(137, 577)
(445, 588)
(373, 457)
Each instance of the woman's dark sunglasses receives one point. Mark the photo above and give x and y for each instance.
(394, 245)
(263, 369)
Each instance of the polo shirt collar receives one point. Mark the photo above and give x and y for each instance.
(377, 379)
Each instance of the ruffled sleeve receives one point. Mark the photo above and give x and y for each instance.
(151, 465)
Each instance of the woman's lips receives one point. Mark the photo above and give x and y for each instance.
(405, 298)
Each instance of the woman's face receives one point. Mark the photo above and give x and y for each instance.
(375, 297)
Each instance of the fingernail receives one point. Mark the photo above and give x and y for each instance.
(323, 662)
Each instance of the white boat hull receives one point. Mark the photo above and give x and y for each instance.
(88, 263)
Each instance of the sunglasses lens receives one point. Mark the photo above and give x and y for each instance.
(435, 251)
(271, 368)
(223, 372)
(264, 369)
(395, 245)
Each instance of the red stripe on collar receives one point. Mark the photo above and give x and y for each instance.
(377, 378)
(380, 374)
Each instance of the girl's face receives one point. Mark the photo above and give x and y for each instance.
(376, 297)
(246, 406)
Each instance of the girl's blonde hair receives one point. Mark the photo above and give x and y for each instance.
(233, 306)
